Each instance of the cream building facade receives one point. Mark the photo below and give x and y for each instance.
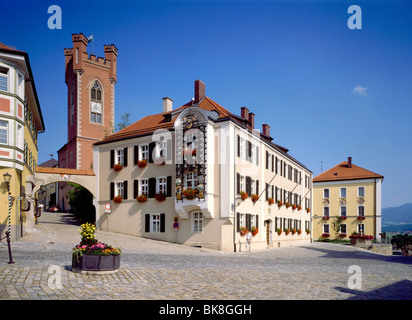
(349, 193)
(178, 176)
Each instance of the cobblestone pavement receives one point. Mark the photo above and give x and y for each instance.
(158, 270)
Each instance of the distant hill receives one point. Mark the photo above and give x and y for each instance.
(397, 219)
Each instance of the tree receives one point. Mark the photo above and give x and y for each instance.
(336, 226)
(401, 240)
(81, 203)
(124, 122)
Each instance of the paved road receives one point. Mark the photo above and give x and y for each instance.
(157, 270)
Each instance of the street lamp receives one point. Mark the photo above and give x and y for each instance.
(7, 178)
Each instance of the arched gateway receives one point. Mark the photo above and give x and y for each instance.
(46, 175)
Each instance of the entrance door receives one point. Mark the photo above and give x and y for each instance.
(269, 233)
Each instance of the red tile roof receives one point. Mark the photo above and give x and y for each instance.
(343, 172)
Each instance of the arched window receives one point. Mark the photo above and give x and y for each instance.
(96, 103)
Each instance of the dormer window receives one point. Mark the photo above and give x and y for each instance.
(96, 103)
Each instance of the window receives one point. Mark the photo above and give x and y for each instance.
(343, 192)
(4, 132)
(4, 79)
(197, 222)
(242, 183)
(155, 222)
(20, 85)
(326, 193)
(361, 191)
(253, 186)
(96, 103)
(325, 228)
(144, 151)
(361, 228)
(343, 211)
(242, 147)
(242, 221)
(326, 212)
(191, 179)
(361, 211)
(342, 228)
(119, 189)
(161, 185)
(119, 159)
(143, 187)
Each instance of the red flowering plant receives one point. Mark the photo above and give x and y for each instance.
(293, 206)
(142, 163)
(280, 203)
(142, 198)
(117, 167)
(308, 210)
(271, 201)
(244, 195)
(254, 197)
(287, 204)
(160, 196)
(243, 231)
(118, 199)
(361, 236)
(254, 231)
(325, 235)
(293, 230)
(279, 231)
(299, 231)
(361, 218)
(299, 207)
(190, 193)
(287, 231)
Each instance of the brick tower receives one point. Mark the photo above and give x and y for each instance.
(90, 84)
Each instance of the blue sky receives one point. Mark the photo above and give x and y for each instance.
(295, 64)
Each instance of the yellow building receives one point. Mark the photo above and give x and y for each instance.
(20, 122)
(350, 194)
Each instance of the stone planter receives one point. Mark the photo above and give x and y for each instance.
(359, 241)
(94, 263)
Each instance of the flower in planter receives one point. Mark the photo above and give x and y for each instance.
(293, 231)
(361, 236)
(325, 235)
(287, 204)
(118, 199)
(244, 195)
(254, 197)
(280, 203)
(293, 206)
(90, 245)
(342, 217)
(160, 196)
(307, 230)
(142, 163)
(117, 167)
(308, 210)
(254, 231)
(271, 201)
(299, 207)
(299, 231)
(190, 193)
(325, 218)
(287, 231)
(142, 198)
(243, 231)
(342, 235)
(279, 231)
(361, 218)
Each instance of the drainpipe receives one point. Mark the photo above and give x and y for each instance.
(234, 193)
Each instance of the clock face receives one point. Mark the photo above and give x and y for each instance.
(96, 107)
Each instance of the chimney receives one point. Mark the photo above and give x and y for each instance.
(244, 113)
(349, 162)
(252, 120)
(167, 104)
(200, 89)
(266, 130)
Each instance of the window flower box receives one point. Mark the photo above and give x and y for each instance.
(287, 231)
(307, 231)
(141, 198)
(343, 217)
(254, 197)
(271, 201)
(293, 206)
(361, 218)
(160, 197)
(325, 235)
(325, 218)
(254, 231)
(118, 199)
(308, 210)
(293, 231)
(244, 195)
(243, 231)
(299, 207)
(356, 239)
(279, 231)
(117, 167)
(287, 204)
(299, 231)
(342, 235)
(142, 163)
(190, 193)
(280, 203)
